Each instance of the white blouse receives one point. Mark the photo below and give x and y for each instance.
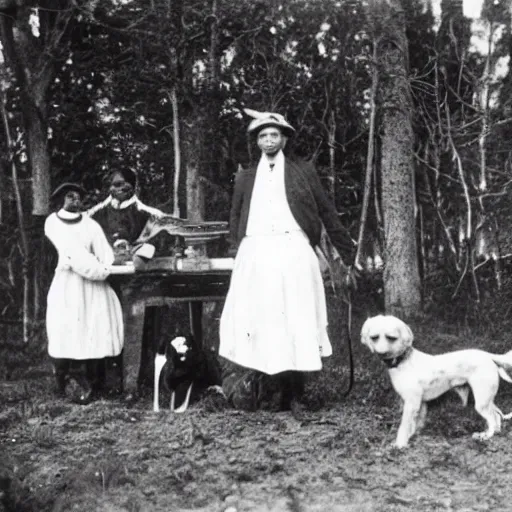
(270, 213)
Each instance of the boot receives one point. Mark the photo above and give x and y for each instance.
(296, 405)
(115, 367)
(95, 374)
(292, 385)
(286, 385)
(61, 374)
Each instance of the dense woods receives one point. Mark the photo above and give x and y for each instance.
(403, 106)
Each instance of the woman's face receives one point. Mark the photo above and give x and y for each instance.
(120, 189)
(271, 140)
(72, 201)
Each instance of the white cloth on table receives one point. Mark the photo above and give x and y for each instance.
(275, 315)
(84, 318)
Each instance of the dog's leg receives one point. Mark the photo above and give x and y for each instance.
(463, 392)
(506, 416)
(184, 406)
(159, 364)
(503, 416)
(422, 416)
(492, 416)
(484, 393)
(410, 414)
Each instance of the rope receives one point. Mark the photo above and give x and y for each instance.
(349, 344)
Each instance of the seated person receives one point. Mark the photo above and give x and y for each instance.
(122, 215)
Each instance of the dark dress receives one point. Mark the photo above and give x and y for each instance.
(122, 221)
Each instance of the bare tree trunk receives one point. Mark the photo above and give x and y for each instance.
(402, 285)
(210, 153)
(2, 189)
(38, 155)
(436, 201)
(195, 196)
(214, 63)
(32, 60)
(332, 154)
(177, 152)
(33, 66)
(467, 237)
(25, 248)
(484, 105)
(369, 159)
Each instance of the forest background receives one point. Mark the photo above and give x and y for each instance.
(403, 106)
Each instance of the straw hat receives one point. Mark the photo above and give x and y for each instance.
(264, 119)
(66, 187)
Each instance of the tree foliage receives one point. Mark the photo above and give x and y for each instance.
(107, 72)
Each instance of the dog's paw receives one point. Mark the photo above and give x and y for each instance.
(401, 443)
(482, 436)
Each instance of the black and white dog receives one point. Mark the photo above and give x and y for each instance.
(185, 371)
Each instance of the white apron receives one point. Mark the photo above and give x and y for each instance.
(83, 318)
(275, 316)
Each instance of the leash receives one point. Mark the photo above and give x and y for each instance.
(349, 344)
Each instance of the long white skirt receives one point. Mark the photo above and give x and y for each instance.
(275, 316)
(84, 319)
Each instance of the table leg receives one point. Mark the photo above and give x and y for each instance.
(196, 321)
(133, 329)
(150, 343)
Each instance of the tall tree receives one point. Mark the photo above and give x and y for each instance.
(31, 34)
(401, 275)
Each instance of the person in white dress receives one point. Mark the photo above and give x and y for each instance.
(84, 321)
(275, 318)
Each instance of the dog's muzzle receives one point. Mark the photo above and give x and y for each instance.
(393, 362)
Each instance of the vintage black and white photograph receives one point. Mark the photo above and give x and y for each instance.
(255, 255)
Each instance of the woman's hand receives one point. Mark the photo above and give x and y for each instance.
(344, 276)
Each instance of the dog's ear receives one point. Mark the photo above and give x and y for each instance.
(406, 334)
(171, 351)
(365, 333)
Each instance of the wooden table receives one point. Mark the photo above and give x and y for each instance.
(161, 288)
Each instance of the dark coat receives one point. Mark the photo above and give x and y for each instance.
(122, 223)
(308, 201)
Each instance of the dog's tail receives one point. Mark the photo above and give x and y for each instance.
(504, 364)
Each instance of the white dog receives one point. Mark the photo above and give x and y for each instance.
(418, 377)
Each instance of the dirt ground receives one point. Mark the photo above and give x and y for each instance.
(58, 456)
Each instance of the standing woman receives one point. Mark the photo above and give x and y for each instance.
(275, 317)
(84, 320)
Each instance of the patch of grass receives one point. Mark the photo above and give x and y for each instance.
(43, 435)
(106, 457)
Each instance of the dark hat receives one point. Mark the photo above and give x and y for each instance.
(128, 174)
(65, 188)
(264, 119)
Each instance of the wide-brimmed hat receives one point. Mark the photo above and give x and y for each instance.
(64, 188)
(264, 119)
